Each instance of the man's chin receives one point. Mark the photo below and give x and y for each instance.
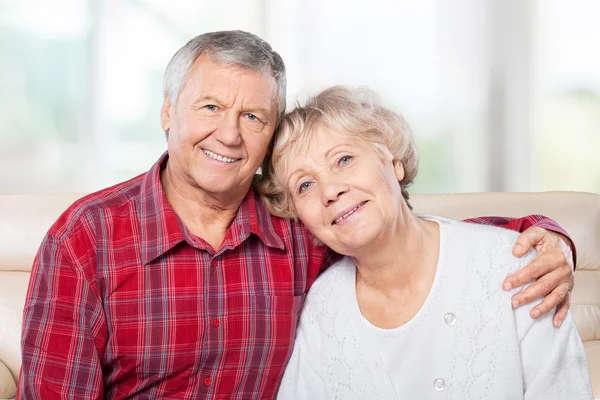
(222, 187)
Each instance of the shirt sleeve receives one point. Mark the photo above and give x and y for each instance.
(331, 257)
(61, 347)
(522, 224)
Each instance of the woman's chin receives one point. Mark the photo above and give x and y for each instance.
(351, 247)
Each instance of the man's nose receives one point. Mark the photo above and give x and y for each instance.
(228, 131)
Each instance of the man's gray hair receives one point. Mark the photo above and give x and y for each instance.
(228, 47)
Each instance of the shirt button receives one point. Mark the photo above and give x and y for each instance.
(439, 385)
(208, 381)
(450, 319)
(214, 263)
(216, 323)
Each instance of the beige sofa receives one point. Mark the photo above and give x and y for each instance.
(25, 219)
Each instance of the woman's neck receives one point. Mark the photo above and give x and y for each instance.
(402, 257)
(393, 281)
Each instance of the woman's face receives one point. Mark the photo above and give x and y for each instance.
(344, 191)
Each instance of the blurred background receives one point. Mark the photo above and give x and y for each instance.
(503, 95)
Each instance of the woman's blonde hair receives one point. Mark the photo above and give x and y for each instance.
(356, 112)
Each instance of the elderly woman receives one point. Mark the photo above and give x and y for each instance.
(415, 309)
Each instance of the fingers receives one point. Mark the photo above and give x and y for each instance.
(527, 240)
(556, 297)
(548, 283)
(542, 287)
(552, 272)
(532, 271)
(548, 261)
(561, 311)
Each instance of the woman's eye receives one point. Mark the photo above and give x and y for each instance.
(344, 160)
(304, 186)
(211, 107)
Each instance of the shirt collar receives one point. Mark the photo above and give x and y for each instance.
(162, 229)
(253, 217)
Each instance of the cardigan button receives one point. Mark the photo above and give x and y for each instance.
(439, 385)
(450, 319)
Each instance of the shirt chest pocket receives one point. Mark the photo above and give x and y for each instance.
(156, 332)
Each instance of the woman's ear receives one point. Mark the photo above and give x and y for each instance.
(399, 170)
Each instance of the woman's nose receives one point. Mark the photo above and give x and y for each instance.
(332, 191)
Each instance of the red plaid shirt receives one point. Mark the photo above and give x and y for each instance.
(125, 302)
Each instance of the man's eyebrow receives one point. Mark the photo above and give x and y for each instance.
(257, 110)
(215, 99)
(209, 98)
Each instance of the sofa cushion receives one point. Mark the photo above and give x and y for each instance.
(13, 289)
(8, 388)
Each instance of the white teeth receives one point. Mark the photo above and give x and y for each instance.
(349, 213)
(219, 157)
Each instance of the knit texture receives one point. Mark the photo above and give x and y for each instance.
(490, 352)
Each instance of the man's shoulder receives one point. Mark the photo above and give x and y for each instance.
(87, 210)
(290, 228)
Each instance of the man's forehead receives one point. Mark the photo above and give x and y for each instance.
(219, 73)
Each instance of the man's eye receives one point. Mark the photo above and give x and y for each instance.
(211, 107)
(252, 117)
(304, 186)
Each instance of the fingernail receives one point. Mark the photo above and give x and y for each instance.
(506, 286)
(515, 303)
(535, 313)
(558, 323)
(517, 248)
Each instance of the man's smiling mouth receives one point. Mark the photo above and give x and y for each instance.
(219, 157)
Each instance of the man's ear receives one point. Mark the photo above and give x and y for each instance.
(399, 169)
(165, 114)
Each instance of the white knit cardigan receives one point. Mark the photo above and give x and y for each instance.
(466, 342)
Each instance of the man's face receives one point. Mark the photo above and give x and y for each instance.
(221, 126)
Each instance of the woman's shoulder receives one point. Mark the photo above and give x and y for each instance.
(342, 270)
(487, 246)
(323, 298)
(491, 232)
(483, 235)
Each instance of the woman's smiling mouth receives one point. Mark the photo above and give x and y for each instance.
(347, 213)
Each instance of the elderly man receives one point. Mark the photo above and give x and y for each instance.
(178, 283)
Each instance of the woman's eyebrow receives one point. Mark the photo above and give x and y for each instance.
(333, 148)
